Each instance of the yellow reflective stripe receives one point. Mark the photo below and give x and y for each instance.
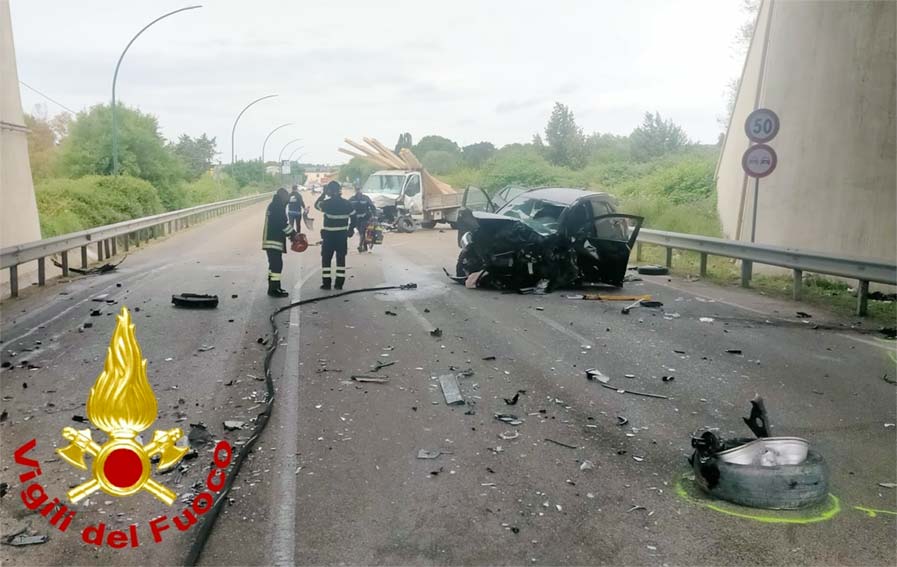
(335, 228)
(272, 243)
(343, 217)
(275, 277)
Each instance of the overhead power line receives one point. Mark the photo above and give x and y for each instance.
(57, 103)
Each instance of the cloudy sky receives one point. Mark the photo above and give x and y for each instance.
(470, 70)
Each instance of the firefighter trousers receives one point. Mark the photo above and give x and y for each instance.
(333, 242)
(275, 265)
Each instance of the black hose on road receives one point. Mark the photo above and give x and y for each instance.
(261, 422)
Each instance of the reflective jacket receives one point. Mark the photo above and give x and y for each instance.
(277, 229)
(364, 207)
(338, 213)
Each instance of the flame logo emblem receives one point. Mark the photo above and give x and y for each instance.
(121, 403)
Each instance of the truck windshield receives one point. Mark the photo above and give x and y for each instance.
(384, 184)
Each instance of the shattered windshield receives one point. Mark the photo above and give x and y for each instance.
(541, 216)
(384, 184)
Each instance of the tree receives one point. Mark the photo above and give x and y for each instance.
(42, 149)
(246, 172)
(475, 155)
(566, 143)
(404, 142)
(435, 143)
(143, 153)
(439, 161)
(356, 171)
(196, 153)
(656, 137)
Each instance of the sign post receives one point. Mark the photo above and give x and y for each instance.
(759, 160)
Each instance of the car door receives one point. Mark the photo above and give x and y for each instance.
(475, 199)
(608, 246)
(412, 193)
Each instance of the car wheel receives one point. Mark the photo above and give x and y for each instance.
(653, 270)
(428, 224)
(195, 301)
(781, 487)
(405, 224)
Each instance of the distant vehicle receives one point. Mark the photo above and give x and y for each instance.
(520, 236)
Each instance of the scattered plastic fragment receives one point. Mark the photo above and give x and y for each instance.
(79, 418)
(888, 484)
(621, 420)
(232, 425)
(513, 401)
(706, 319)
(508, 418)
(22, 539)
(595, 374)
(509, 435)
(428, 454)
(205, 348)
(561, 444)
(372, 379)
(450, 389)
(391, 313)
(199, 435)
(437, 332)
(667, 378)
(587, 465)
(733, 350)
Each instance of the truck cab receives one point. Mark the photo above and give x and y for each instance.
(388, 188)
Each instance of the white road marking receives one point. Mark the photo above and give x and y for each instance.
(883, 345)
(560, 328)
(286, 410)
(79, 303)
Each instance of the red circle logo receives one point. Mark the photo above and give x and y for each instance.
(123, 468)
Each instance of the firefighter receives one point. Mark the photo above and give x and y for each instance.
(276, 230)
(295, 208)
(337, 229)
(364, 214)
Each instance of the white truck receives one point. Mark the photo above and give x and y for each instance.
(406, 196)
(405, 192)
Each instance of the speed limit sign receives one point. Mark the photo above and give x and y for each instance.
(761, 125)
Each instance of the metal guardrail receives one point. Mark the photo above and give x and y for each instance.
(799, 261)
(107, 238)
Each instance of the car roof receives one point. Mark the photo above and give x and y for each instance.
(562, 195)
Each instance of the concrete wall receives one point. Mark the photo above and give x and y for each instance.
(18, 209)
(829, 72)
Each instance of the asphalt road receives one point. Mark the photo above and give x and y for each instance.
(336, 478)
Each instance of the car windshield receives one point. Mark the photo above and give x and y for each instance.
(384, 184)
(541, 216)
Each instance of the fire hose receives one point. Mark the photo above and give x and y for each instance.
(205, 529)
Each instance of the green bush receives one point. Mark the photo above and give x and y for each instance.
(69, 205)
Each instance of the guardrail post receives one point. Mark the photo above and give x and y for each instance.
(746, 269)
(14, 281)
(170, 227)
(797, 284)
(84, 256)
(41, 271)
(106, 248)
(703, 271)
(862, 297)
(100, 250)
(126, 242)
(669, 257)
(114, 245)
(638, 251)
(65, 263)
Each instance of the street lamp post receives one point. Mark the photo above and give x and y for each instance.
(290, 157)
(234, 129)
(265, 143)
(115, 78)
(280, 155)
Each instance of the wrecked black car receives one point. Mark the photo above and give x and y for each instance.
(545, 238)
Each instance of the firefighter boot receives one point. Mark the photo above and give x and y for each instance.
(274, 289)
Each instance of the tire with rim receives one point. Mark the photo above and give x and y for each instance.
(653, 270)
(781, 487)
(405, 224)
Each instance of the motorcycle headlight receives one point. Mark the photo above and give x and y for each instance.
(466, 239)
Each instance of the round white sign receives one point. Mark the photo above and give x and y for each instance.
(761, 125)
(759, 160)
